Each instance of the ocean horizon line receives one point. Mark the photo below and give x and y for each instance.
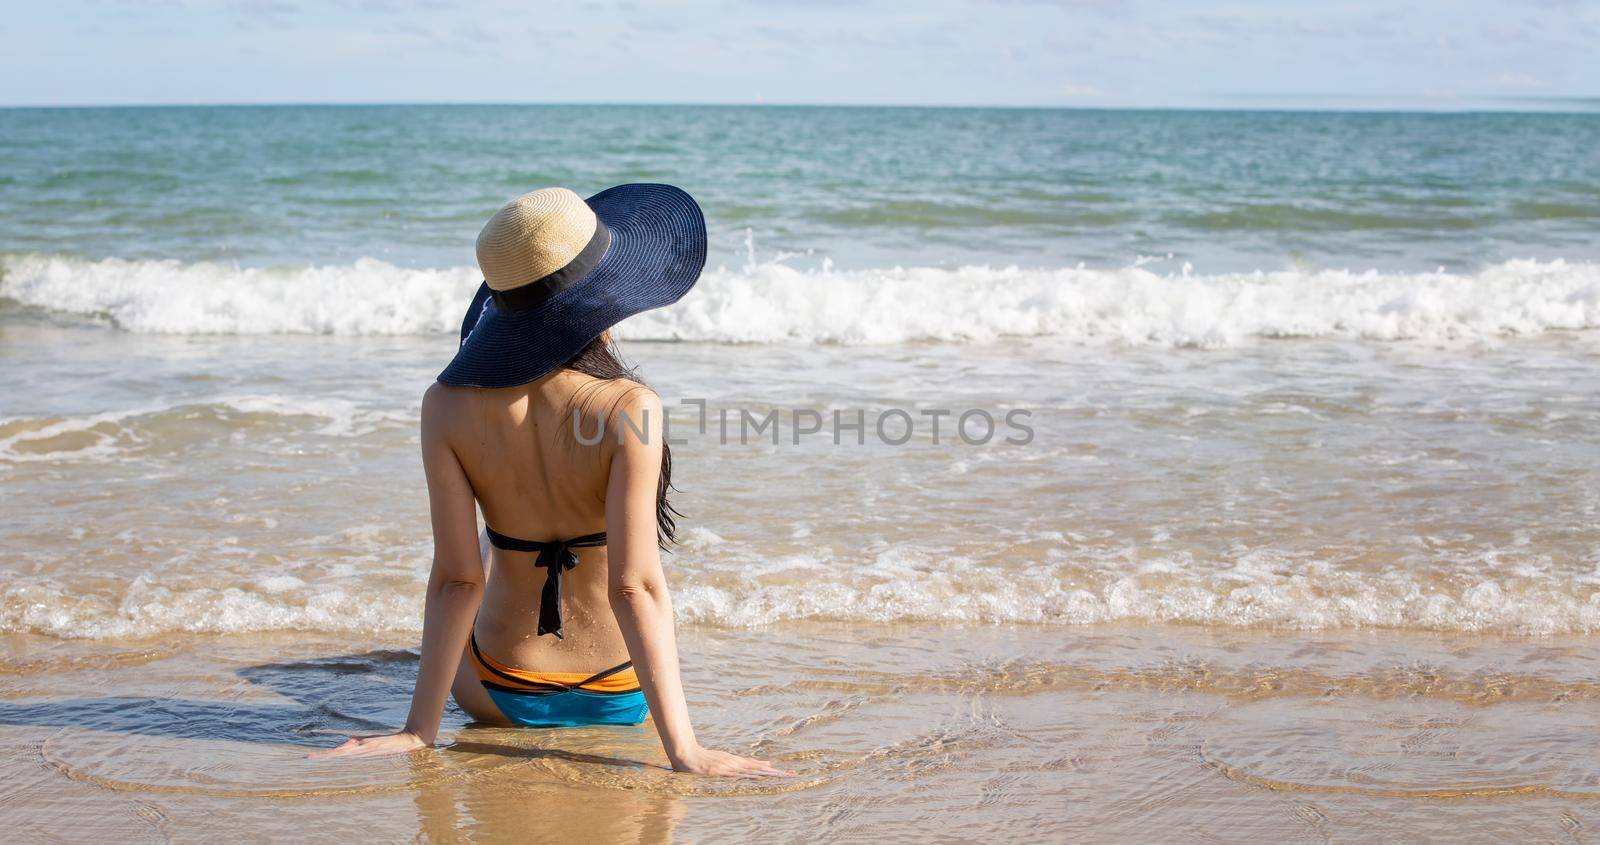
(1349, 104)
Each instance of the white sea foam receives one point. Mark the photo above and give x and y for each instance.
(895, 588)
(369, 297)
(112, 434)
(773, 303)
(147, 609)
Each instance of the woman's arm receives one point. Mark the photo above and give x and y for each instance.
(455, 588)
(639, 593)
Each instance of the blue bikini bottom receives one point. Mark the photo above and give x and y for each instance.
(562, 699)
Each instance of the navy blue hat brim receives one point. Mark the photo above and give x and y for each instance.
(658, 248)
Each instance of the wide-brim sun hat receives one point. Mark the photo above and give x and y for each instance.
(559, 270)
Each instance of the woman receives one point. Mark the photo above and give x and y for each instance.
(567, 620)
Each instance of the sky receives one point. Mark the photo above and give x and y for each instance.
(1405, 54)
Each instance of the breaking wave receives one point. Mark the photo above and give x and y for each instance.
(774, 303)
(902, 585)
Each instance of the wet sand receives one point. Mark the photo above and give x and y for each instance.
(900, 733)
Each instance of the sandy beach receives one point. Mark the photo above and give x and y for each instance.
(900, 733)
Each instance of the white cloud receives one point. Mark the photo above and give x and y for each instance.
(1518, 81)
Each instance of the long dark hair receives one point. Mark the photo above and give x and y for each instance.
(602, 360)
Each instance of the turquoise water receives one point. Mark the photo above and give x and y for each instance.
(1307, 370)
(863, 187)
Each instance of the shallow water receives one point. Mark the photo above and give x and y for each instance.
(898, 732)
(1312, 485)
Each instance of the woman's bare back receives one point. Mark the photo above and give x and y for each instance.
(534, 479)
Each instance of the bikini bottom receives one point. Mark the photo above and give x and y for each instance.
(562, 699)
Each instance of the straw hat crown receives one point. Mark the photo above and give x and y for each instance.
(533, 236)
(558, 271)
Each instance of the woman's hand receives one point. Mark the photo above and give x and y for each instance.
(704, 761)
(374, 746)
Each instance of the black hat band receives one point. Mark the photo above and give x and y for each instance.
(541, 290)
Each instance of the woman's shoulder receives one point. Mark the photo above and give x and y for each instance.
(624, 404)
(617, 394)
(441, 399)
(621, 403)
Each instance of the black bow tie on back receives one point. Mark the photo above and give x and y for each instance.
(555, 557)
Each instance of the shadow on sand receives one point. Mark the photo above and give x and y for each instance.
(327, 699)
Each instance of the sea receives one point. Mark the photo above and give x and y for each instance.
(974, 404)
(1303, 369)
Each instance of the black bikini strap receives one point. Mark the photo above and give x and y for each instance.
(517, 544)
(555, 557)
(512, 544)
(477, 654)
(598, 676)
(588, 541)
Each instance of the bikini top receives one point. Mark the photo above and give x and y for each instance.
(557, 557)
